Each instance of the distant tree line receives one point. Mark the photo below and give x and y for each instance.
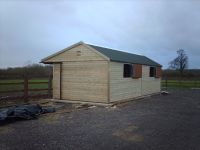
(32, 71)
(191, 74)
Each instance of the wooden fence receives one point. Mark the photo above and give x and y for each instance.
(26, 88)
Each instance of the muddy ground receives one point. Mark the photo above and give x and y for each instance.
(169, 122)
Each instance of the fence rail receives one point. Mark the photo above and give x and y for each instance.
(25, 89)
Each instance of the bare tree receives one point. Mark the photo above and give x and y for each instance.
(180, 63)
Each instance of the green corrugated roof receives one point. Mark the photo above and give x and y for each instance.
(125, 57)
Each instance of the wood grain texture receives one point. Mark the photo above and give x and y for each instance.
(78, 53)
(126, 88)
(149, 84)
(85, 81)
(120, 87)
(56, 81)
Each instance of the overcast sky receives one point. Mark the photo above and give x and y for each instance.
(32, 30)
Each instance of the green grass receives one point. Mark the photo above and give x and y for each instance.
(181, 84)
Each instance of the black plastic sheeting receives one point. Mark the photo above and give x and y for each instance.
(26, 112)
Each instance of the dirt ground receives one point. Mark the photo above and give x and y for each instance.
(170, 122)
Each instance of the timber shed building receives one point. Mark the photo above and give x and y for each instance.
(89, 73)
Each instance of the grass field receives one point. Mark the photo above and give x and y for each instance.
(17, 84)
(181, 84)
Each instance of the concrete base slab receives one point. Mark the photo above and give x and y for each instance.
(81, 102)
(103, 104)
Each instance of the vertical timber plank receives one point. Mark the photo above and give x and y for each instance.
(60, 80)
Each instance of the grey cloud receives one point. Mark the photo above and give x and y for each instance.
(33, 30)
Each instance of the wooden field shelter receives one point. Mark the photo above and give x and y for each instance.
(89, 73)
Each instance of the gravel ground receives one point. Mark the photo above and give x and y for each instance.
(169, 122)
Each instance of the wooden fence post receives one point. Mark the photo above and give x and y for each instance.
(50, 86)
(25, 87)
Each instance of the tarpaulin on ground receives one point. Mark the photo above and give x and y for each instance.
(27, 112)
